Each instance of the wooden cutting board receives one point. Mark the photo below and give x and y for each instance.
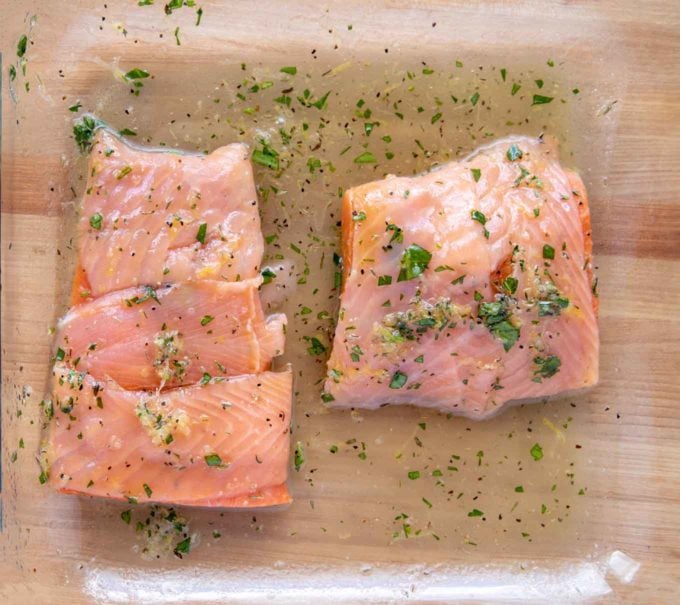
(623, 442)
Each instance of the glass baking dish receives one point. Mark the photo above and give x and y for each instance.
(596, 518)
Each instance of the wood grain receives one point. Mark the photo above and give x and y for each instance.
(623, 443)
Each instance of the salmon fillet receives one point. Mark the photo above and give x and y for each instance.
(144, 338)
(224, 443)
(154, 217)
(467, 287)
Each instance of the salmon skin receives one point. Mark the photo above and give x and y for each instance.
(468, 287)
(224, 443)
(152, 217)
(172, 335)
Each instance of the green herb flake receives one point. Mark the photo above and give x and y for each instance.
(75, 108)
(83, 132)
(126, 132)
(548, 252)
(333, 449)
(536, 451)
(514, 153)
(496, 316)
(327, 397)
(126, 516)
(476, 174)
(413, 475)
(206, 378)
(474, 98)
(384, 280)
(59, 355)
(475, 512)
(299, 455)
(504, 73)
(147, 490)
(358, 216)
(12, 73)
(213, 460)
(420, 359)
(206, 319)
(21, 46)
(183, 547)
(136, 74)
(267, 275)
(398, 380)
(510, 284)
(479, 217)
(201, 233)
(266, 157)
(96, 221)
(541, 100)
(414, 261)
(519, 489)
(515, 89)
(546, 367)
(123, 172)
(365, 158)
(316, 347)
(289, 70)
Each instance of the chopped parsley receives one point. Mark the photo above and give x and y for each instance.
(474, 98)
(546, 367)
(201, 233)
(206, 320)
(365, 158)
(147, 490)
(548, 252)
(476, 174)
(96, 221)
(21, 46)
(267, 275)
(536, 451)
(414, 261)
(397, 234)
(126, 516)
(514, 153)
(496, 318)
(478, 216)
(413, 475)
(123, 172)
(510, 284)
(358, 216)
(299, 455)
(398, 380)
(356, 353)
(213, 460)
(183, 547)
(136, 74)
(541, 100)
(515, 89)
(59, 355)
(316, 347)
(384, 280)
(83, 132)
(289, 70)
(475, 512)
(149, 294)
(267, 156)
